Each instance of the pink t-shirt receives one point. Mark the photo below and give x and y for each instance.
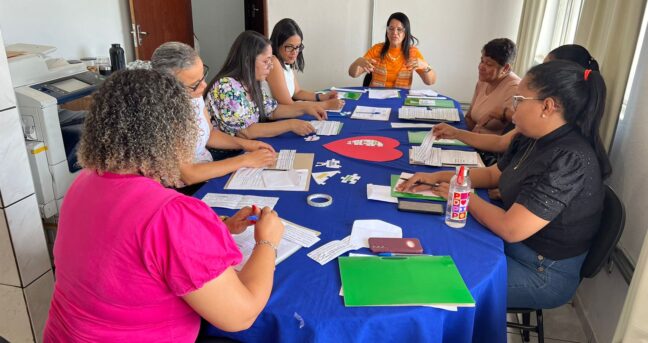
(498, 104)
(126, 250)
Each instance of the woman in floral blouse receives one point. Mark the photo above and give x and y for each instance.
(238, 103)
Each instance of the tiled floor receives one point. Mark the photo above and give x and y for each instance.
(560, 325)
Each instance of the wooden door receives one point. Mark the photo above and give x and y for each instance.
(155, 22)
(256, 18)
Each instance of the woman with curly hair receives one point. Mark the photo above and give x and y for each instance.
(139, 262)
(182, 61)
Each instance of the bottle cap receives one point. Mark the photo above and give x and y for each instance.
(460, 176)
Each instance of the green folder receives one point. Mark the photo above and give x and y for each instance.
(429, 102)
(350, 95)
(397, 194)
(403, 281)
(416, 137)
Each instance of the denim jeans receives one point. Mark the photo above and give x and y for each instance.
(535, 281)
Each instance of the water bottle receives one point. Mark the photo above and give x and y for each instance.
(117, 59)
(458, 196)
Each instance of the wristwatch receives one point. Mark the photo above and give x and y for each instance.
(428, 69)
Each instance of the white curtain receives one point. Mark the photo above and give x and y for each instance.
(633, 326)
(609, 30)
(528, 33)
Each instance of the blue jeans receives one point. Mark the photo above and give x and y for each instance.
(535, 281)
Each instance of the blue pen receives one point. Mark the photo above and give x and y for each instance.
(397, 254)
(253, 218)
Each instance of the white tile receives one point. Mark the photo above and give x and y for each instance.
(562, 323)
(512, 337)
(15, 176)
(8, 267)
(7, 97)
(28, 238)
(14, 321)
(39, 296)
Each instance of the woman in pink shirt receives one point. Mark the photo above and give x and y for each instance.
(138, 262)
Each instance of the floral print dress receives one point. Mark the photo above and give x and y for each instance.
(232, 110)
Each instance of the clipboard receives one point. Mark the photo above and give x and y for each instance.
(302, 161)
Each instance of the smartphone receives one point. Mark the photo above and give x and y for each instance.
(395, 245)
(421, 207)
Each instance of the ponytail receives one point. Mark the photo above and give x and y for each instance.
(581, 93)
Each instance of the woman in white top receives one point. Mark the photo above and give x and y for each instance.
(287, 50)
(183, 62)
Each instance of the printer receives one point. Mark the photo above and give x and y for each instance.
(42, 85)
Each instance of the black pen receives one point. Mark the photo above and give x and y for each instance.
(434, 185)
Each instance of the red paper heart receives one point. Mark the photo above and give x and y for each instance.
(368, 148)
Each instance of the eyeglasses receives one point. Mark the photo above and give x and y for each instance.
(267, 63)
(291, 48)
(519, 98)
(395, 29)
(197, 83)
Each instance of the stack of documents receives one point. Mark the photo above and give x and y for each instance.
(429, 101)
(423, 92)
(427, 154)
(371, 113)
(417, 137)
(403, 281)
(295, 237)
(383, 93)
(238, 201)
(428, 114)
(326, 127)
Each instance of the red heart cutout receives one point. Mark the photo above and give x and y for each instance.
(368, 148)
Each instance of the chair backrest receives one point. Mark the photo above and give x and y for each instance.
(367, 80)
(607, 237)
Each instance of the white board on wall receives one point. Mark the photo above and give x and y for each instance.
(451, 35)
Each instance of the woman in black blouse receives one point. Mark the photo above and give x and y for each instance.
(551, 181)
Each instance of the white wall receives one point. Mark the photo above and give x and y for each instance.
(451, 35)
(339, 31)
(78, 28)
(336, 32)
(216, 24)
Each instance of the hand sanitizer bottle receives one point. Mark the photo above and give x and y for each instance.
(458, 196)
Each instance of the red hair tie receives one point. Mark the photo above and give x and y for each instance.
(587, 73)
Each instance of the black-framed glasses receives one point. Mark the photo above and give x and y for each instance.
(519, 98)
(291, 48)
(197, 84)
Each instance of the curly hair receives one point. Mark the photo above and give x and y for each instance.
(502, 50)
(139, 121)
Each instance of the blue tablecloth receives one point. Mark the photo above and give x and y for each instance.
(305, 305)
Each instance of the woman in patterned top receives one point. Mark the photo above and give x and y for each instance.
(393, 62)
(238, 103)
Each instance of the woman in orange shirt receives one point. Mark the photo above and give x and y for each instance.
(393, 62)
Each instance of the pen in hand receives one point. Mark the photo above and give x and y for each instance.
(433, 185)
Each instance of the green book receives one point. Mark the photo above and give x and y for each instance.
(416, 137)
(349, 95)
(429, 102)
(397, 194)
(403, 281)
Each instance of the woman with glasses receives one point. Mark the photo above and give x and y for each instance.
(287, 48)
(551, 183)
(136, 261)
(499, 144)
(392, 63)
(181, 61)
(239, 104)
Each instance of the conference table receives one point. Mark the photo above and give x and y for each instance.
(305, 305)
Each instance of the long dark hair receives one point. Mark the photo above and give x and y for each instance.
(582, 100)
(576, 53)
(240, 65)
(408, 41)
(283, 30)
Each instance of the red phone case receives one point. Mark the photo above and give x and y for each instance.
(395, 245)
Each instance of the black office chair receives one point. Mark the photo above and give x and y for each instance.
(599, 254)
(367, 80)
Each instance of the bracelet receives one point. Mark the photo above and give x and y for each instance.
(317, 97)
(263, 241)
(223, 218)
(328, 200)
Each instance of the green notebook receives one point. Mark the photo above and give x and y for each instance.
(416, 137)
(397, 194)
(429, 102)
(403, 281)
(349, 95)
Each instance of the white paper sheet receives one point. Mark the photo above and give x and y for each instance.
(299, 235)
(238, 201)
(423, 92)
(285, 159)
(321, 177)
(364, 229)
(380, 193)
(253, 178)
(371, 113)
(383, 93)
(423, 113)
(327, 127)
(410, 125)
(331, 250)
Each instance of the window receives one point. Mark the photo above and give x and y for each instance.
(558, 26)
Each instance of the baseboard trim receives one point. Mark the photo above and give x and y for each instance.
(585, 323)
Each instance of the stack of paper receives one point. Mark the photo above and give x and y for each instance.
(426, 154)
(425, 101)
(285, 159)
(383, 93)
(371, 113)
(403, 281)
(428, 114)
(417, 137)
(423, 92)
(238, 201)
(326, 127)
(261, 179)
(295, 237)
